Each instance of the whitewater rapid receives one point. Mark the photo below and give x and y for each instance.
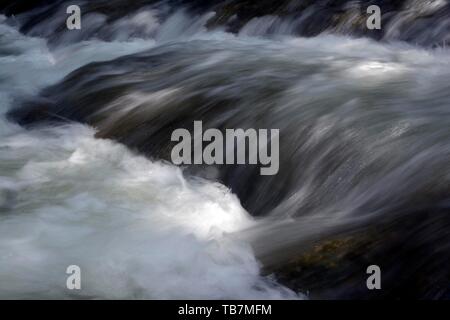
(366, 131)
(137, 228)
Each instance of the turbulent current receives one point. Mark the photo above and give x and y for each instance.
(136, 228)
(86, 178)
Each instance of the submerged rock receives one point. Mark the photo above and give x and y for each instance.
(411, 251)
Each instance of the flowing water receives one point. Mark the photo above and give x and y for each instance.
(364, 138)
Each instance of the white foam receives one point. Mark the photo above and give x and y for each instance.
(136, 228)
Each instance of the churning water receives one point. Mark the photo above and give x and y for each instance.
(136, 228)
(364, 137)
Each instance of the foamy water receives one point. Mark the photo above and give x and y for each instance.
(136, 228)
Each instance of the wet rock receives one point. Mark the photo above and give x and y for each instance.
(412, 253)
